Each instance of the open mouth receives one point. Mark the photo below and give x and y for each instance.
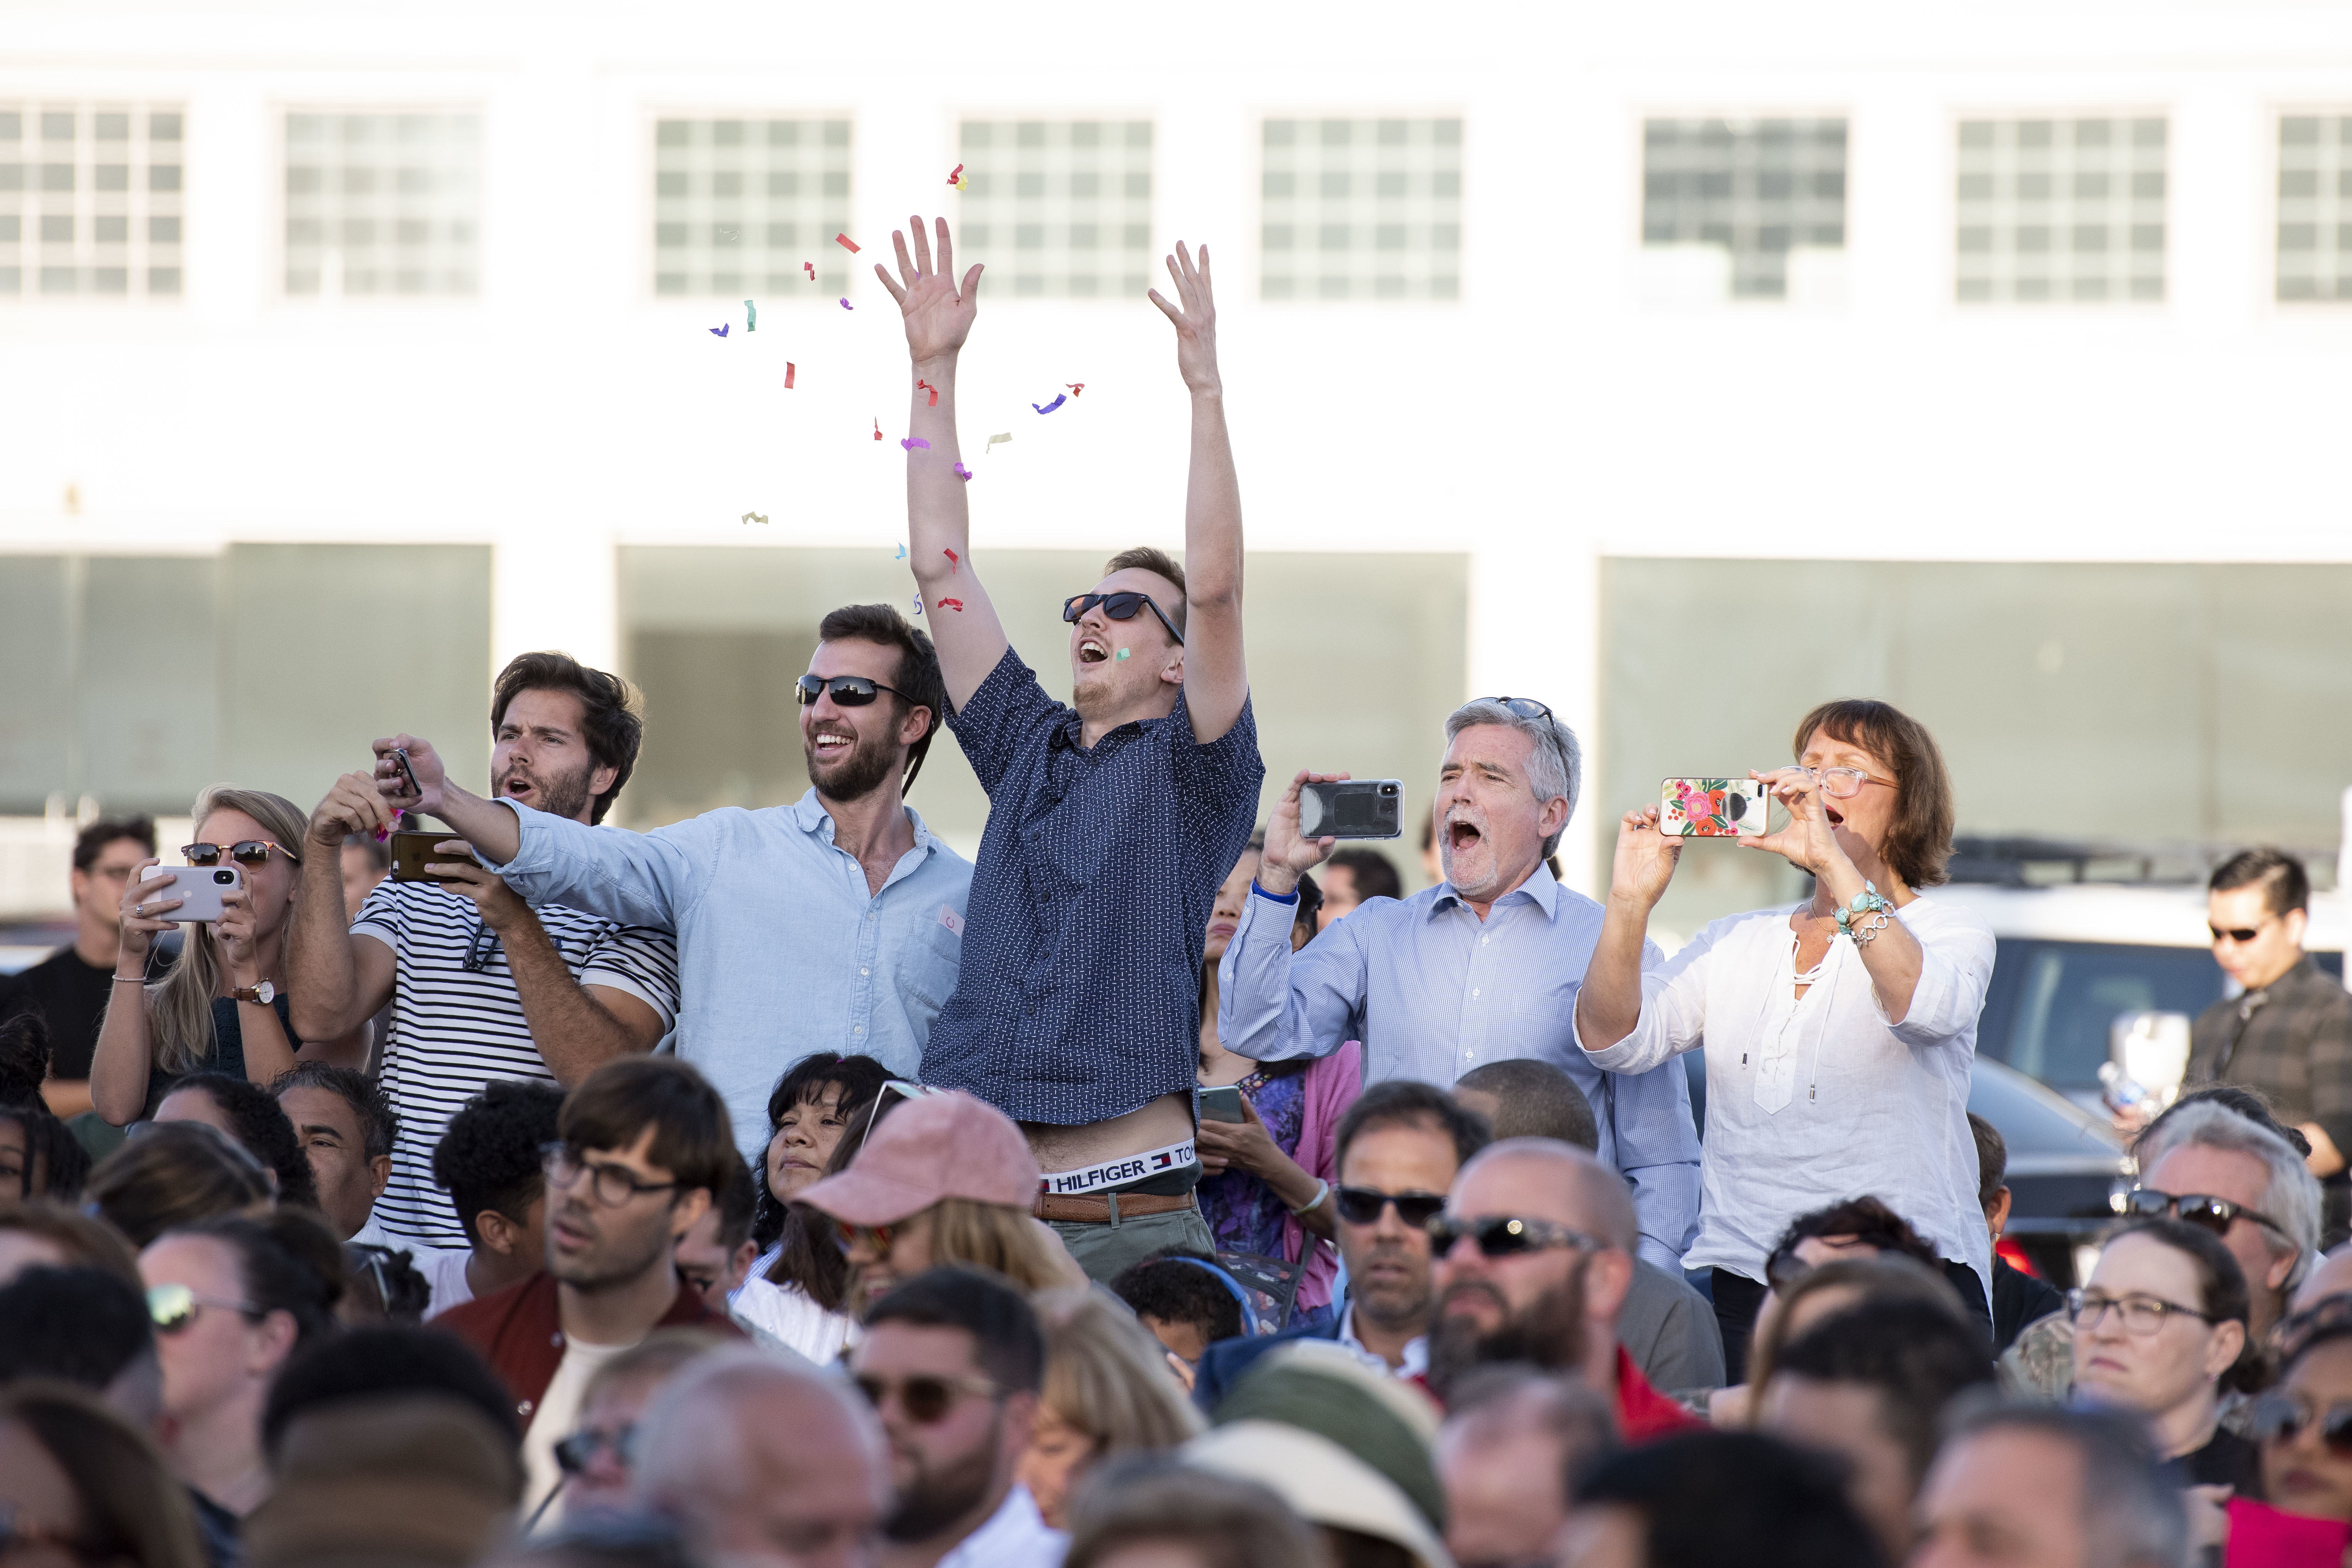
(1837, 817)
(1460, 835)
(518, 787)
(1092, 651)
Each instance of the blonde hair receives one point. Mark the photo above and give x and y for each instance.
(179, 1005)
(1107, 1378)
(997, 1237)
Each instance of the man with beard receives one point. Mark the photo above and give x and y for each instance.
(483, 985)
(952, 1362)
(832, 925)
(1533, 1260)
(642, 1145)
(1483, 967)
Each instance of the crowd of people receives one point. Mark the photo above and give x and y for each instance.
(779, 1187)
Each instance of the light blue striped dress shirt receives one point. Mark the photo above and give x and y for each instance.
(781, 951)
(1432, 992)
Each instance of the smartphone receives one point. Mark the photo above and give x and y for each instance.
(1712, 808)
(407, 775)
(412, 851)
(1223, 1104)
(198, 888)
(1352, 808)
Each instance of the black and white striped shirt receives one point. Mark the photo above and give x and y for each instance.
(455, 1030)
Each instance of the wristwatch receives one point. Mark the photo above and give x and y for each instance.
(263, 993)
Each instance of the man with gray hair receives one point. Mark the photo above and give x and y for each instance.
(765, 1464)
(1483, 967)
(2059, 1489)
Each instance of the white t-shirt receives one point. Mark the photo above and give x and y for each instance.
(455, 1030)
(446, 1272)
(1015, 1536)
(558, 1413)
(790, 1314)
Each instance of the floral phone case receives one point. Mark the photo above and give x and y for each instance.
(1712, 808)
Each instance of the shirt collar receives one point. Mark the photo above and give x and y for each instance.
(809, 814)
(1416, 1350)
(1538, 889)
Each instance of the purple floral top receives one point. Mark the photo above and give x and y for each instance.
(1243, 1212)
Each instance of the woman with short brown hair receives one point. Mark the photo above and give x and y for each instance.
(1839, 1032)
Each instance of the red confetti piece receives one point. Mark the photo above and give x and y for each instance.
(877, 430)
(951, 554)
(955, 176)
(950, 603)
(1076, 386)
(844, 239)
(927, 386)
(788, 375)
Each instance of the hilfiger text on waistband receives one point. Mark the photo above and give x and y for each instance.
(1110, 1173)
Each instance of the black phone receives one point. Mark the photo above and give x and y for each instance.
(1223, 1103)
(407, 775)
(412, 851)
(1351, 808)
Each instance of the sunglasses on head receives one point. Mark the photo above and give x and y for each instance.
(2281, 1419)
(925, 1399)
(577, 1452)
(1119, 606)
(172, 1308)
(1362, 1205)
(2201, 1209)
(247, 852)
(848, 691)
(1502, 1236)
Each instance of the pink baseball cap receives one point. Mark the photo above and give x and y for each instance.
(947, 1145)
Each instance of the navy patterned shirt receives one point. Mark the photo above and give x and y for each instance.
(1080, 993)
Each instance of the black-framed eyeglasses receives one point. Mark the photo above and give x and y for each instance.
(925, 1399)
(1119, 606)
(577, 1452)
(612, 1185)
(2279, 1417)
(1506, 1235)
(2142, 1316)
(479, 951)
(244, 852)
(1362, 1205)
(848, 691)
(2202, 1210)
(1529, 707)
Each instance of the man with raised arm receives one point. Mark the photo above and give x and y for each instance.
(1112, 818)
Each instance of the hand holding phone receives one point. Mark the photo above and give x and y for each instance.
(413, 850)
(1351, 808)
(1712, 808)
(1223, 1103)
(408, 774)
(195, 889)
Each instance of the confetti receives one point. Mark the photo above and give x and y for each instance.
(955, 176)
(992, 440)
(1076, 386)
(846, 305)
(901, 555)
(788, 369)
(951, 559)
(753, 517)
(877, 430)
(810, 267)
(1122, 655)
(1059, 398)
(918, 605)
(750, 317)
(911, 442)
(950, 603)
(721, 332)
(927, 386)
(843, 239)
(964, 473)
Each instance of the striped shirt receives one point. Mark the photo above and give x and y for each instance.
(454, 1030)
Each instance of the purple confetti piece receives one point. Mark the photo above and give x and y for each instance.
(911, 442)
(1059, 398)
(847, 306)
(964, 473)
(719, 332)
(918, 605)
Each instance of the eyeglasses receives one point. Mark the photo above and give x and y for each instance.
(1118, 607)
(1844, 783)
(577, 1452)
(612, 1185)
(1500, 1235)
(1529, 707)
(848, 691)
(925, 1399)
(1362, 1205)
(2238, 933)
(172, 1308)
(2281, 1419)
(247, 852)
(479, 951)
(2143, 1316)
(2201, 1209)
(877, 1238)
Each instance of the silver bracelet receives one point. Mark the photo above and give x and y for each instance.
(1322, 1190)
(1865, 932)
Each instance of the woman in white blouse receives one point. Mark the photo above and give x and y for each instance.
(1838, 1033)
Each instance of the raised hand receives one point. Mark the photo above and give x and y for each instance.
(1195, 322)
(352, 806)
(1807, 842)
(235, 935)
(1644, 861)
(938, 315)
(147, 906)
(423, 760)
(1288, 852)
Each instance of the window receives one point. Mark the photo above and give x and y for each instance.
(740, 205)
(90, 200)
(2315, 207)
(1360, 209)
(1058, 208)
(383, 204)
(2053, 210)
(1757, 188)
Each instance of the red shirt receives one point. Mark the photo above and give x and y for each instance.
(1643, 1412)
(520, 1332)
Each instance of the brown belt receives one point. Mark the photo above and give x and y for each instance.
(1102, 1208)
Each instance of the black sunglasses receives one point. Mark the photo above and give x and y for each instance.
(848, 691)
(1502, 1236)
(1362, 1205)
(1119, 606)
(2240, 935)
(2201, 1209)
(925, 1399)
(246, 852)
(2281, 1418)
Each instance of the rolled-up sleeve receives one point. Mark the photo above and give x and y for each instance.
(636, 879)
(1674, 1015)
(1955, 969)
(1274, 1004)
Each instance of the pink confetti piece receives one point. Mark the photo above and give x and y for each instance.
(955, 176)
(844, 239)
(927, 386)
(950, 603)
(964, 473)
(788, 369)
(877, 430)
(911, 442)
(810, 267)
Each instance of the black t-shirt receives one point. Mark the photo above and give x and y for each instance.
(2019, 1299)
(2229, 1461)
(70, 996)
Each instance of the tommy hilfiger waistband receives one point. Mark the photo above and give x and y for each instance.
(1109, 1173)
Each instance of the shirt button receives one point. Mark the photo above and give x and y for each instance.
(864, 972)
(1475, 993)
(524, 1408)
(859, 1030)
(1482, 942)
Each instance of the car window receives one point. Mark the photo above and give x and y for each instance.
(2063, 995)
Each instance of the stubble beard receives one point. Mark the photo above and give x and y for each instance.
(933, 1500)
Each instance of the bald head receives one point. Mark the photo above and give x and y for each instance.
(1543, 1178)
(765, 1464)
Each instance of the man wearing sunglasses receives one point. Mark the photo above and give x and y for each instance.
(1483, 967)
(832, 925)
(641, 1147)
(2288, 1034)
(1112, 818)
(1535, 1257)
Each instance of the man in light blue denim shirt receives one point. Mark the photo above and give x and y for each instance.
(833, 924)
(1483, 967)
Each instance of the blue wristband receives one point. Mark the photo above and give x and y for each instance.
(1289, 898)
